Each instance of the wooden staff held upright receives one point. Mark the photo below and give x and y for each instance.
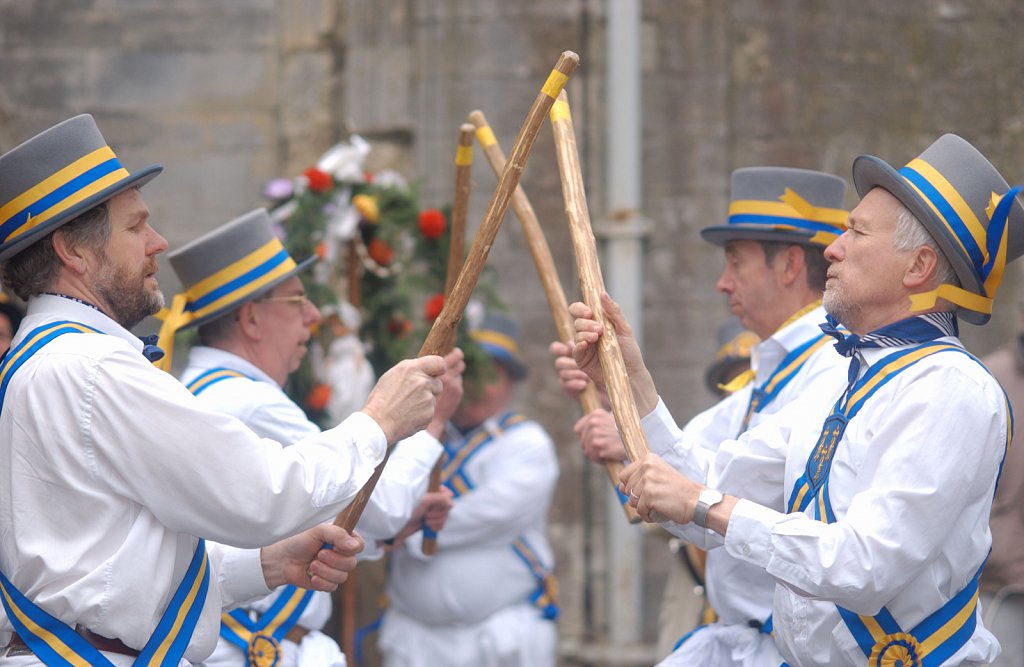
(592, 283)
(447, 322)
(557, 303)
(456, 248)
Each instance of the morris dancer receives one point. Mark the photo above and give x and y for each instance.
(880, 561)
(488, 596)
(779, 222)
(251, 339)
(110, 468)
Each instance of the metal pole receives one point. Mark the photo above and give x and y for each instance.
(622, 233)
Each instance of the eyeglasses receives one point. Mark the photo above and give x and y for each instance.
(299, 299)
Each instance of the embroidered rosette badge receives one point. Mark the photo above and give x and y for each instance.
(896, 650)
(264, 651)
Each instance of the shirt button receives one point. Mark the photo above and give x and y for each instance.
(746, 549)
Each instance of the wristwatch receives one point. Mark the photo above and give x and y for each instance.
(707, 499)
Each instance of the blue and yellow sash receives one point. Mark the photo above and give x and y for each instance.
(453, 475)
(261, 640)
(787, 369)
(51, 640)
(880, 637)
(207, 379)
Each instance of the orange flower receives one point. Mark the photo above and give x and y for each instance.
(433, 307)
(367, 207)
(432, 223)
(321, 249)
(380, 252)
(319, 181)
(318, 397)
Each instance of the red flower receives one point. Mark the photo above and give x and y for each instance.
(319, 181)
(433, 307)
(398, 327)
(318, 397)
(380, 252)
(432, 223)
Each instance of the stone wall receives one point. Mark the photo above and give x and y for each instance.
(230, 94)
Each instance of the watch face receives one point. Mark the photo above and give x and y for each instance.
(710, 496)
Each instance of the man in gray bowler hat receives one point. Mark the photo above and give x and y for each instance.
(111, 472)
(868, 507)
(779, 221)
(243, 294)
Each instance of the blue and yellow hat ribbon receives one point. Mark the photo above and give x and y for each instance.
(791, 212)
(230, 285)
(983, 247)
(83, 178)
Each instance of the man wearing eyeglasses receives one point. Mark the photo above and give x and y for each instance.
(253, 329)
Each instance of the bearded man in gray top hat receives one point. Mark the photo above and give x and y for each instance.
(253, 321)
(110, 469)
(779, 221)
(868, 507)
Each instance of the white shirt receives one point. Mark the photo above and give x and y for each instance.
(475, 571)
(109, 468)
(268, 411)
(739, 591)
(911, 487)
(258, 401)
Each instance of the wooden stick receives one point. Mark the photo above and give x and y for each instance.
(545, 263)
(448, 321)
(591, 282)
(456, 247)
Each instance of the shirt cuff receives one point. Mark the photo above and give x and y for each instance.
(367, 434)
(420, 447)
(240, 575)
(749, 536)
(661, 429)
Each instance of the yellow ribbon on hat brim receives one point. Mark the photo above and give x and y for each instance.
(178, 316)
(174, 318)
(979, 303)
(789, 203)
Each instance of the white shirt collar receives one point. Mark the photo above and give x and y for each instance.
(47, 308)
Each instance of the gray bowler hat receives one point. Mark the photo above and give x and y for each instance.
(967, 207)
(56, 176)
(782, 204)
(237, 262)
(498, 335)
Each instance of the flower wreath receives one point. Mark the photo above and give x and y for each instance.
(368, 229)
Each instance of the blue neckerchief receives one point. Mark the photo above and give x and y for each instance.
(149, 348)
(911, 331)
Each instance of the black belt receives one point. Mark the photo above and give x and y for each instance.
(99, 642)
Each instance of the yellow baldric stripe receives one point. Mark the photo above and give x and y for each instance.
(285, 612)
(51, 639)
(554, 84)
(27, 345)
(165, 645)
(890, 369)
(560, 111)
(485, 135)
(464, 156)
(496, 339)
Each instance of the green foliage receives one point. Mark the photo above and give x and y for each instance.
(401, 268)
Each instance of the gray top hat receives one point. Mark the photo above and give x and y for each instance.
(237, 262)
(56, 176)
(953, 190)
(498, 335)
(782, 204)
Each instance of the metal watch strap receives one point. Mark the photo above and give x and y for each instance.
(700, 511)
